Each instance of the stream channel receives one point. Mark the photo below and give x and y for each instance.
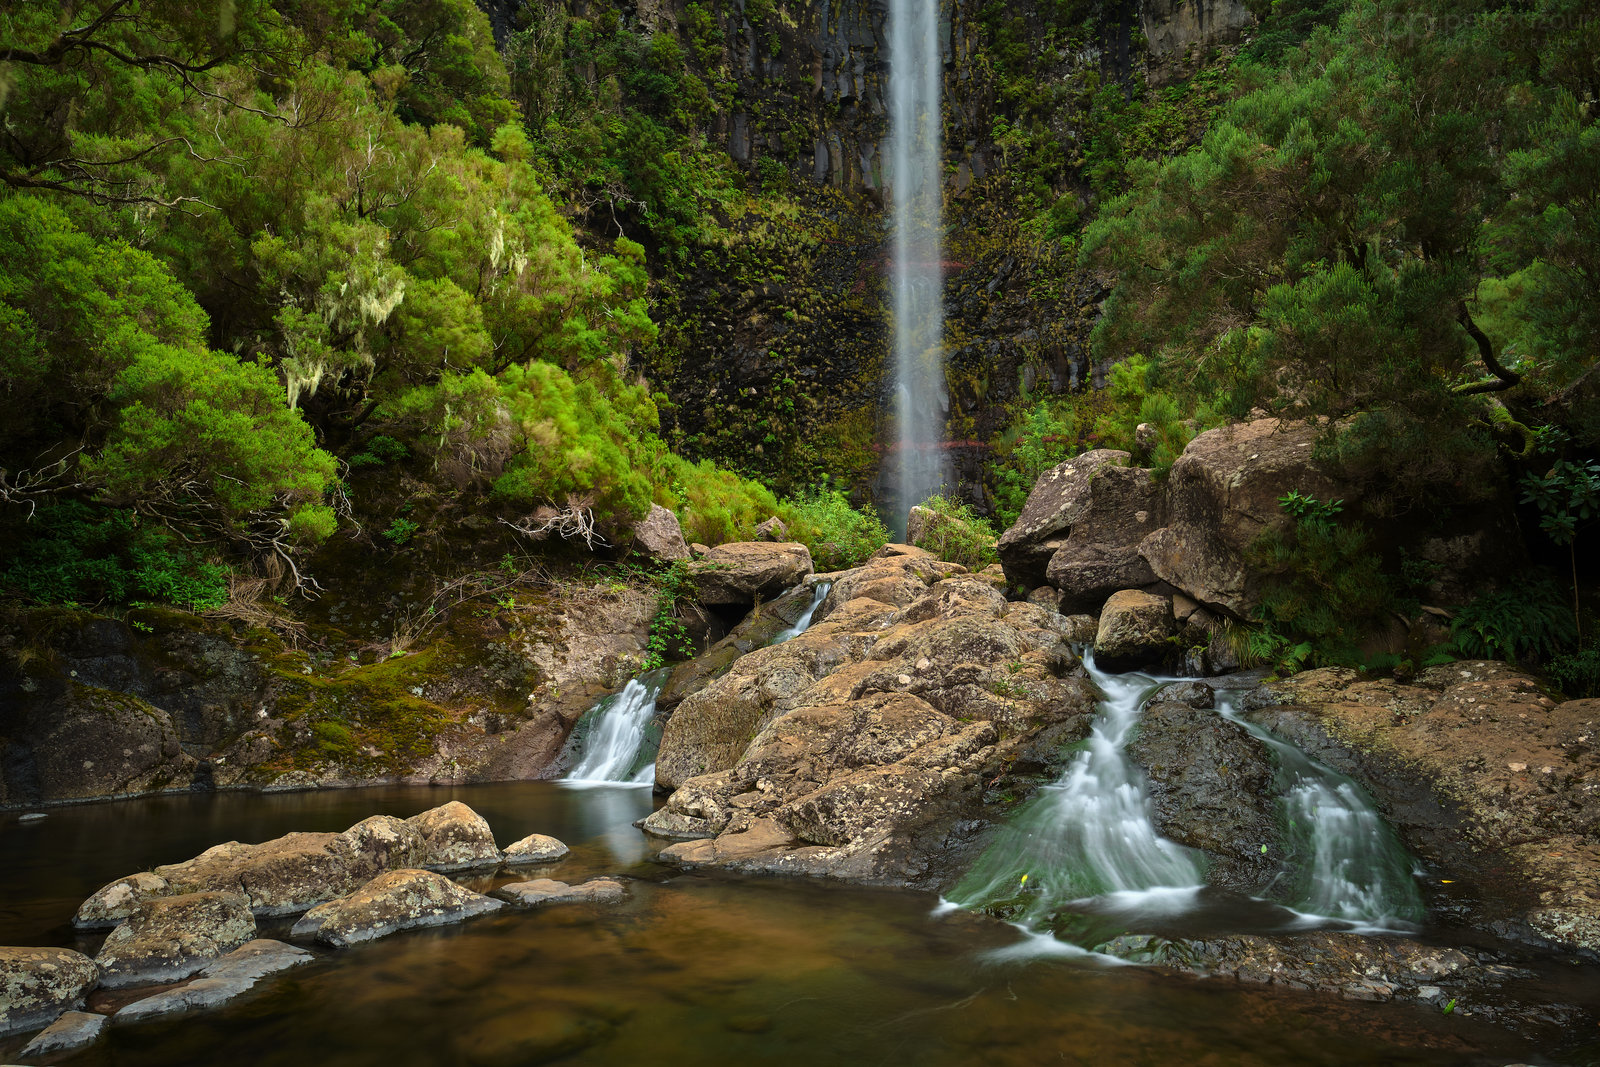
(698, 968)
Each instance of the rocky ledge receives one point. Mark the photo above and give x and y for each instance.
(860, 748)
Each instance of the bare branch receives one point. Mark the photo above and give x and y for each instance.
(570, 523)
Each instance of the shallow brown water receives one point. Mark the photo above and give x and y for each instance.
(691, 970)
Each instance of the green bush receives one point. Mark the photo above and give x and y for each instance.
(1324, 586)
(957, 534)
(1576, 673)
(74, 553)
(1528, 619)
(837, 534)
(714, 505)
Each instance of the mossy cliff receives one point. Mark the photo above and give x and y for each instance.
(769, 281)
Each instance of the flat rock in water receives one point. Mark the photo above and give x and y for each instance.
(73, 1029)
(37, 984)
(549, 891)
(284, 876)
(394, 901)
(533, 849)
(456, 838)
(170, 938)
(220, 981)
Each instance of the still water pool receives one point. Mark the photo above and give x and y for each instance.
(692, 969)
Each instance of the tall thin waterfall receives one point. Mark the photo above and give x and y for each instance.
(916, 189)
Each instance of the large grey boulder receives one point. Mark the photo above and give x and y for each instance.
(659, 535)
(742, 572)
(38, 984)
(1054, 506)
(393, 901)
(1134, 627)
(455, 838)
(221, 980)
(1121, 507)
(173, 937)
(1222, 495)
(1211, 788)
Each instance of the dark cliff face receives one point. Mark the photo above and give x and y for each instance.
(773, 348)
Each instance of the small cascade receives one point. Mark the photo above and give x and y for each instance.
(1345, 863)
(1089, 834)
(613, 737)
(802, 624)
(1083, 858)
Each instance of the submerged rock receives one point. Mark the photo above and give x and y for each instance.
(394, 901)
(73, 1029)
(534, 849)
(1134, 628)
(221, 980)
(542, 891)
(173, 937)
(1211, 788)
(38, 984)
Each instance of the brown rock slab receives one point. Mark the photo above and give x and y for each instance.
(541, 891)
(221, 980)
(169, 938)
(393, 901)
(72, 1029)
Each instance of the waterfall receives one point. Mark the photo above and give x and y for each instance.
(614, 736)
(803, 623)
(1345, 863)
(1084, 859)
(616, 739)
(1089, 834)
(916, 193)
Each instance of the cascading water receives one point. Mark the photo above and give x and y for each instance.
(1345, 863)
(1090, 833)
(615, 739)
(803, 623)
(613, 736)
(1085, 849)
(916, 191)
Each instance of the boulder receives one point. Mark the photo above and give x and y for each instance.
(740, 573)
(1120, 507)
(542, 891)
(221, 980)
(455, 838)
(659, 536)
(73, 1029)
(393, 901)
(1053, 507)
(169, 938)
(38, 984)
(1222, 495)
(757, 630)
(1194, 694)
(289, 874)
(1211, 788)
(772, 529)
(1133, 631)
(534, 849)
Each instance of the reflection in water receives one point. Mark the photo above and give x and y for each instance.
(688, 970)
